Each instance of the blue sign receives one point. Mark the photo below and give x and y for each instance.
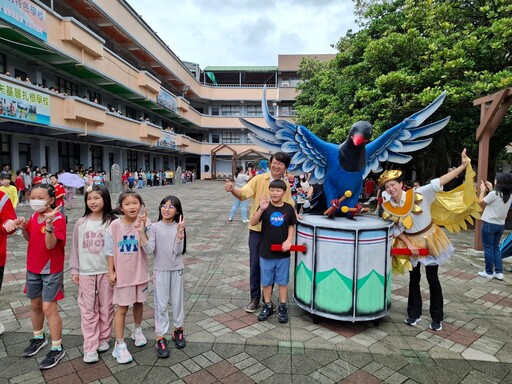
(25, 15)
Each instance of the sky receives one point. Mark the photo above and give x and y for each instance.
(247, 32)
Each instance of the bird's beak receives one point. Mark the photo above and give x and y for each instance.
(358, 140)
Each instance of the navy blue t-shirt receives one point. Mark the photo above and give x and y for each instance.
(275, 222)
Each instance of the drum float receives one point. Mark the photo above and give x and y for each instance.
(345, 273)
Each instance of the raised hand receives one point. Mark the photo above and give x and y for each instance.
(181, 227)
(228, 186)
(264, 202)
(464, 158)
(50, 216)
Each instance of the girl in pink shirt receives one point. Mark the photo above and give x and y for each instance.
(89, 270)
(128, 270)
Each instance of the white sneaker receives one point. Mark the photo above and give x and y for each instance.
(104, 346)
(139, 338)
(2, 328)
(485, 274)
(122, 354)
(245, 221)
(91, 357)
(498, 276)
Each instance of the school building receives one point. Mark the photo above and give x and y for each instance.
(89, 82)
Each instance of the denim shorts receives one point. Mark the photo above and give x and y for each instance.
(275, 271)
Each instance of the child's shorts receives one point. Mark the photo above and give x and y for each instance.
(275, 271)
(49, 286)
(125, 296)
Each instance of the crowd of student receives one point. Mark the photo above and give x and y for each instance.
(139, 179)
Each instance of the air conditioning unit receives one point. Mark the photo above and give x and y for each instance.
(285, 84)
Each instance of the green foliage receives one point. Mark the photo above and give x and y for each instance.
(406, 53)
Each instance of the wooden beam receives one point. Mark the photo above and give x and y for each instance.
(490, 111)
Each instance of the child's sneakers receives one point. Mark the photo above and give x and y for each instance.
(122, 354)
(52, 358)
(161, 348)
(35, 346)
(138, 337)
(178, 338)
(282, 315)
(104, 346)
(266, 312)
(91, 357)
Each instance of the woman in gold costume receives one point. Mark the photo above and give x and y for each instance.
(414, 229)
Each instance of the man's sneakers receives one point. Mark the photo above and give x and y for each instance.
(411, 321)
(253, 306)
(121, 353)
(282, 315)
(436, 326)
(35, 346)
(161, 348)
(52, 358)
(266, 312)
(178, 338)
(139, 338)
(498, 276)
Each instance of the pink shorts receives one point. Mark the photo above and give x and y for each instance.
(125, 296)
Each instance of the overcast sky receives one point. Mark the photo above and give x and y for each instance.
(246, 32)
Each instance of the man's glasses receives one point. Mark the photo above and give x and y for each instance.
(167, 207)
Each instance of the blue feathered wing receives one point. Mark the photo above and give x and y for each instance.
(393, 144)
(308, 152)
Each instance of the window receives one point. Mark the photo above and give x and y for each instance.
(5, 153)
(215, 138)
(230, 110)
(146, 161)
(69, 155)
(254, 110)
(131, 112)
(68, 87)
(230, 137)
(215, 111)
(20, 74)
(92, 96)
(97, 157)
(131, 160)
(3, 63)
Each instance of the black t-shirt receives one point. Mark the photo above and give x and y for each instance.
(275, 222)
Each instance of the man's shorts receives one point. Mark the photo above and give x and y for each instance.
(126, 296)
(48, 286)
(275, 271)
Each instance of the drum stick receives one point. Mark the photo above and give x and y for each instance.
(346, 209)
(407, 251)
(330, 211)
(294, 248)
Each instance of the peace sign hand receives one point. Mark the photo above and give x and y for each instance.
(50, 216)
(181, 227)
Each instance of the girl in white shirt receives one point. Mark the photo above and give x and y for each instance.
(89, 270)
(497, 203)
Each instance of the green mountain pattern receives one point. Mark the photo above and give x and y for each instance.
(303, 283)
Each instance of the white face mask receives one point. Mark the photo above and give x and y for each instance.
(38, 205)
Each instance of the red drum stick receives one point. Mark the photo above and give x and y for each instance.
(407, 251)
(294, 248)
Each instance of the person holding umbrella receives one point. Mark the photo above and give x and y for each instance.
(71, 181)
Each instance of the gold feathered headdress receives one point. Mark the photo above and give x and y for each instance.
(390, 174)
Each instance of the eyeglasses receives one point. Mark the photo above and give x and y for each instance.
(167, 207)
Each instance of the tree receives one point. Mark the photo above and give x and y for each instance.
(405, 54)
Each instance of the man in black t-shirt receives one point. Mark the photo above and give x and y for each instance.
(277, 227)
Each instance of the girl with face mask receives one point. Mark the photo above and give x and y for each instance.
(45, 232)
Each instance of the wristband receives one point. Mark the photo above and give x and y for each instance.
(49, 230)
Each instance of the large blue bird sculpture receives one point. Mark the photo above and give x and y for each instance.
(343, 167)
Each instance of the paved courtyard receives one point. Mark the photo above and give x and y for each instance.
(227, 345)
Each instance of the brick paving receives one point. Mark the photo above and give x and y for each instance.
(227, 345)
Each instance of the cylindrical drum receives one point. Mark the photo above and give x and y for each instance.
(345, 274)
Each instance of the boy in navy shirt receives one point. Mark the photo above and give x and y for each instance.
(277, 227)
